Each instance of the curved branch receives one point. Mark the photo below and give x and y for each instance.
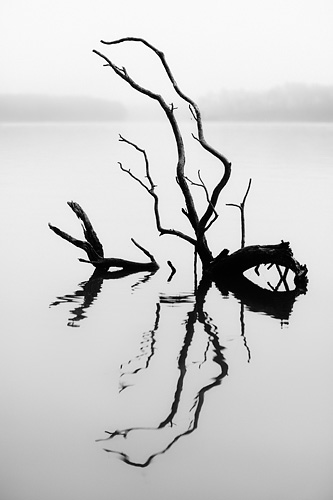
(203, 185)
(201, 138)
(152, 192)
(247, 192)
(94, 249)
(192, 214)
(195, 111)
(241, 207)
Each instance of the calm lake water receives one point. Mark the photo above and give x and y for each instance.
(111, 389)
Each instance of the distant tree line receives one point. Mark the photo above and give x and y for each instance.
(292, 102)
(42, 108)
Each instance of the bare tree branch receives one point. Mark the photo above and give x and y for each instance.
(94, 249)
(203, 185)
(247, 192)
(143, 152)
(152, 192)
(197, 116)
(241, 207)
(198, 225)
(223, 262)
(193, 217)
(209, 201)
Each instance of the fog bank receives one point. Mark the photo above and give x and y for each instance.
(292, 102)
(41, 108)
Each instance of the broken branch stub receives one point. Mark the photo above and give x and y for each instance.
(88, 229)
(94, 249)
(235, 264)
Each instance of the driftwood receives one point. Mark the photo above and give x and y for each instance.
(223, 266)
(94, 248)
(225, 269)
(226, 266)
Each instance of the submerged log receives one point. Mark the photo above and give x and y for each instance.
(94, 248)
(232, 266)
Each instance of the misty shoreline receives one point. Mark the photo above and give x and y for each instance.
(48, 108)
(289, 103)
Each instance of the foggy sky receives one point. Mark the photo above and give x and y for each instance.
(46, 46)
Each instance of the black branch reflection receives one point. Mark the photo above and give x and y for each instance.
(199, 361)
(89, 290)
(183, 416)
(277, 304)
(147, 351)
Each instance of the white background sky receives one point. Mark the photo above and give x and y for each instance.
(45, 46)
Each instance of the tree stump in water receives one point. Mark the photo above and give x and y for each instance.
(94, 248)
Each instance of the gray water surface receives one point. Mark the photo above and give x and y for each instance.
(112, 388)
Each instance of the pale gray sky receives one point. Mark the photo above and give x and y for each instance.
(45, 46)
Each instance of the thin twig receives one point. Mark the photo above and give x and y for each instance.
(152, 192)
(203, 185)
(199, 225)
(192, 214)
(144, 250)
(283, 277)
(241, 207)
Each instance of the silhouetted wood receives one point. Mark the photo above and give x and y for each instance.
(224, 265)
(241, 207)
(94, 249)
(234, 265)
(278, 305)
(199, 224)
(88, 291)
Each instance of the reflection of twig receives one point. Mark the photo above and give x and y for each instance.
(242, 322)
(278, 305)
(143, 279)
(193, 412)
(147, 349)
(87, 293)
(204, 358)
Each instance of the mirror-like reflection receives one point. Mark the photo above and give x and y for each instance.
(138, 446)
(200, 362)
(89, 290)
(274, 303)
(147, 351)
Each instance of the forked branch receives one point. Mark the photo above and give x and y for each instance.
(241, 207)
(198, 119)
(169, 112)
(203, 185)
(200, 225)
(94, 249)
(224, 264)
(152, 191)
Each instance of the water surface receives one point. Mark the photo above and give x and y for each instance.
(122, 388)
